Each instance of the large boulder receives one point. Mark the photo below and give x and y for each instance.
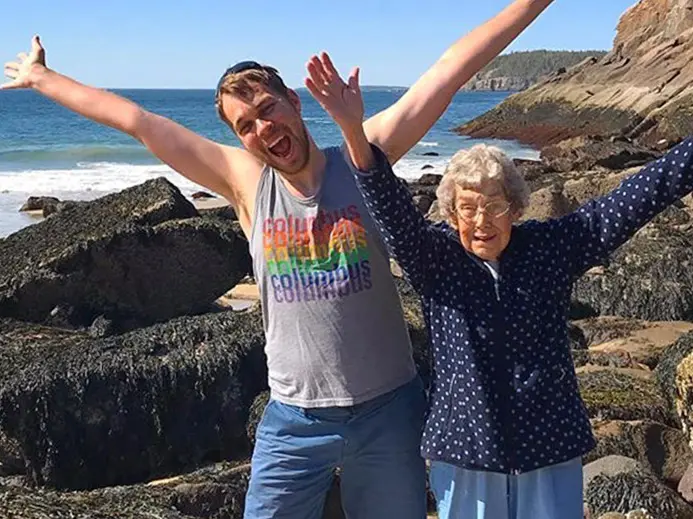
(215, 492)
(135, 256)
(642, 89)
(642, 341)
(548, 202)
(584, 153)
(683, 403)
(649, 277)
(89, 412)
(667, 370)
(662, 450)
(418, 331)
(632, 490)
(623, 394)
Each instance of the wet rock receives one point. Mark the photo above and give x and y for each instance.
(423, 203)
(623, 394)
(216, 492)
(662, 450)
(418, 331)
(257, 409)
(200, 195)
(132, 256)
(667, 369)
(430, 179)
(584, 153)
(91, 412)
(547, 203)
(640, 90)
(38, 203)
(609, 466)
(629, 491)
(649, 277)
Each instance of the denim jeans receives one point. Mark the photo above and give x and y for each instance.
(376, 445)
(553, 492)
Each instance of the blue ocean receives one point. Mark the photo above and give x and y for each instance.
(47, 150)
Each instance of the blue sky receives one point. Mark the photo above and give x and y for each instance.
(187, 44)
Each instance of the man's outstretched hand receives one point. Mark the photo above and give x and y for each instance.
(20, 72)
(342, 101)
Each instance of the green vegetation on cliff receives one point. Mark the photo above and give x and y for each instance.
(519, 70)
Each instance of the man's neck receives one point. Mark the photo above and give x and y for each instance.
(306, 183)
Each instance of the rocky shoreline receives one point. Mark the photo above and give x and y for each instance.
(128, 384)
(641, 90)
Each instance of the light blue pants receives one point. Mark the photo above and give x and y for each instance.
(553, 492)
(376, 444)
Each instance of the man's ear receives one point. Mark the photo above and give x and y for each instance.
(293, 98)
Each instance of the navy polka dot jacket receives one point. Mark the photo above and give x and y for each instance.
(504, 395)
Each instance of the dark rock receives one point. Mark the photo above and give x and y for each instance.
(430, 154)
(576, 337)
(122, 256)
(257, 409)
(102, 327)
(613, 394)
(11, 462)
(665, 372)
(333, 501)
(547, 203)
(597, 330)
(216, 492)
(533, 170)
(662, 450)
(91, 412)
(632, 491)
(430, 179)
(423, 203)
(604, 359)
(584, 153)
(426, 166)
(50, 209)
(649, 277)
(418, 331)
(38, 203)
(609, 466)
(225, 212)
(198, 195)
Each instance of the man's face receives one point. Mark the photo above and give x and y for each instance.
(487, 233)
(270, 127)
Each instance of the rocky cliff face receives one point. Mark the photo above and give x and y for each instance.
(642, 89)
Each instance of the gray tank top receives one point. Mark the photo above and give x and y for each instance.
(336, 335)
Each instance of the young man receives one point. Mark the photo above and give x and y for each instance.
(343, 384)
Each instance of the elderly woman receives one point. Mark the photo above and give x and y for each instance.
(507, 427)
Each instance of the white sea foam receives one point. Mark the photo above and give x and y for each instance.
(428, 144)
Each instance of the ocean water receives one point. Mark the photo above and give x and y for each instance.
(45, 150)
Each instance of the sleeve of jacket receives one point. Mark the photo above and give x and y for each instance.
(600, 226)
(409, 238)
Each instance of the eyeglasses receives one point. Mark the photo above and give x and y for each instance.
(495, 209)
(237, 68)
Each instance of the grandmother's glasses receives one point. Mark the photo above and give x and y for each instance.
(496, 209)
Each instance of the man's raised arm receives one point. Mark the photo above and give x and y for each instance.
(195, 157)
(398, 128)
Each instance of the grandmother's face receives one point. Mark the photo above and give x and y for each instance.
(484, 219)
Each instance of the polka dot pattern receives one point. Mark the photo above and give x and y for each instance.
(504, 395)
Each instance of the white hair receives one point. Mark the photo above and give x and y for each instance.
(469, 169)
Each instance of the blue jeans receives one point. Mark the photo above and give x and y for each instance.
(376, 444)
(548, 493)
